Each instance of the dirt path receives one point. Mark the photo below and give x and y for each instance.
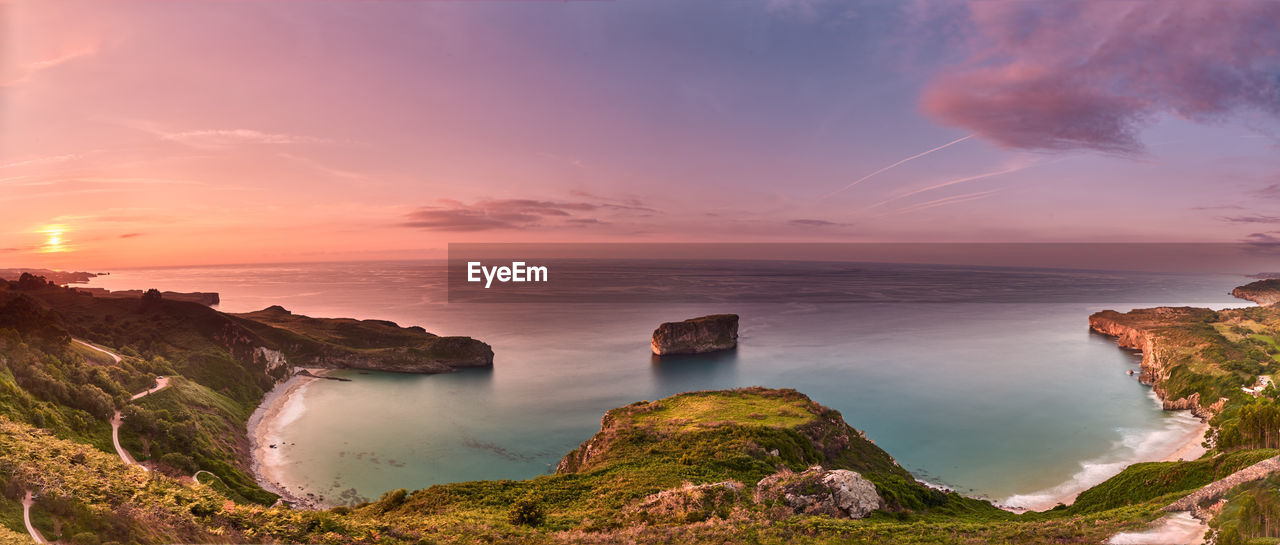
(109, 353)
(27, 501)
(117, 419)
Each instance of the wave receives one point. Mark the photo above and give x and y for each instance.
(1150, 445)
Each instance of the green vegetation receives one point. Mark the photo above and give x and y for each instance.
(1251, 514)
(1142, 483)
(682, 469)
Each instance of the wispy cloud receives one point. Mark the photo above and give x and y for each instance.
(28, 70)
(221, 138)
(816, 223)
(1264, 219)
(509, 214)
(45, 160)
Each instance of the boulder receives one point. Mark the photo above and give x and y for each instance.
(696, 335)
(838, 492)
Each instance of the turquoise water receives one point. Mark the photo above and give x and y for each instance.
(1012, 401)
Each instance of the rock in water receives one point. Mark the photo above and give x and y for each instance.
(817, 491)
(696, 335)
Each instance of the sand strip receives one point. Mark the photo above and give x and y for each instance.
(1188, 447)
(280, 407)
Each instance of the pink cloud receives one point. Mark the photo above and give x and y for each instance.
(1091, 74)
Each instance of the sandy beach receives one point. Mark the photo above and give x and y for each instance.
(1186, 444)
(1193, 449)
(280, 407)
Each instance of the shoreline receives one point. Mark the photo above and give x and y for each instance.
(263, 431)
(1188, 447)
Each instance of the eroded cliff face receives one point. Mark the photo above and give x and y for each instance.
(1138, 330)
(696, 335)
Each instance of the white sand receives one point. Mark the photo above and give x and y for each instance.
(1180, 440)
(281, 406)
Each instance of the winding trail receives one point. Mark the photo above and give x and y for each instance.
(117, 419)
(97, 348)
(27, 501)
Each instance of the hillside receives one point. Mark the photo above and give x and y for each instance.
(222, 365)
(749, 465)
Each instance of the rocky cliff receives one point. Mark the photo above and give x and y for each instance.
(696, 335)
(373, 345)
(1152, 332)
(1263, 292)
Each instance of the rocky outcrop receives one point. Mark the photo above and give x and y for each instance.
(370, 345)
(1138, 330)
(696, 335)
(689, 502)
(837, 493)
(1263, 292)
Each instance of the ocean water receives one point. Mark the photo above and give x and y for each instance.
(965, 376)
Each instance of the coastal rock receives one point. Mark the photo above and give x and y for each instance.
(1263, 292)
(696, 335)
(1139, 330)
(838, 493)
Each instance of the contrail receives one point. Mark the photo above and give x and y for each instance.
(907, 160)
(954, 199)
(951, 183)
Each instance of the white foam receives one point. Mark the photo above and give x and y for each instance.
(1134, 446)
(1179, 528)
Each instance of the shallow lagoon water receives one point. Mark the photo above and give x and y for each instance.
(1012, 400)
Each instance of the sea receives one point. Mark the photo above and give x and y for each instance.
(983, 380)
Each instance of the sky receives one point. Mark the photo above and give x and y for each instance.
(150, 133)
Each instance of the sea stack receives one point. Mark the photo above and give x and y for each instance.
(696, 335)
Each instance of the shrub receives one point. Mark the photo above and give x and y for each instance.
(526, 512)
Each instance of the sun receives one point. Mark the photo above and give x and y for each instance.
(55, 239)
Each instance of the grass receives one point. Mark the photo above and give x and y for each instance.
(216, 443)
(1144, 482)
(708, 410)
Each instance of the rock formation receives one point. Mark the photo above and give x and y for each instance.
(371, 345)
(689, 501)
(1263, 292)
(838, 493)
(696, 335)
(1139, 330)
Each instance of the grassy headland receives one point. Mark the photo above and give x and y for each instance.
(685, 469)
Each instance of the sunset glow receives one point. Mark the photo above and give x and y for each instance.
(54, 240)
(553, 121)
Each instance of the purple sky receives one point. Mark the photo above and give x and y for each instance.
(161, 132)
